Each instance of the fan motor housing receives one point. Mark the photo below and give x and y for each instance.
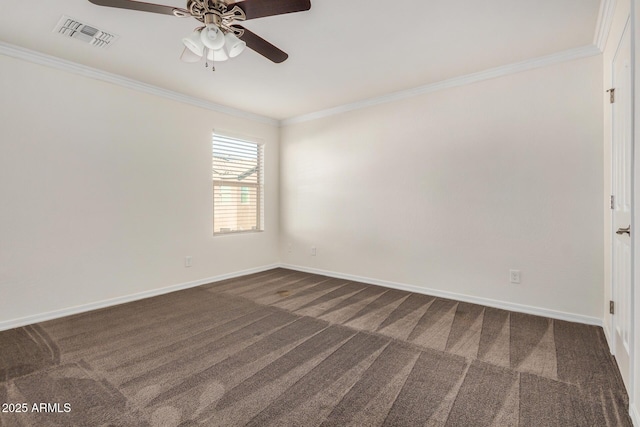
(200, 8)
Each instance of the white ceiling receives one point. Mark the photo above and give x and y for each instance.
(340, 52)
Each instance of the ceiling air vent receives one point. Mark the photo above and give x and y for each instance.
(70, 27)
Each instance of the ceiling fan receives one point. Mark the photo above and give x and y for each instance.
(220, 37)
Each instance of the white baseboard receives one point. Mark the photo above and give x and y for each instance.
(635, 415)
(23, 321)
(538, 311)
(607, 336)
(571, 317)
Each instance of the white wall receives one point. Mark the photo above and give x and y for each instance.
(452, 189)
(104, 190)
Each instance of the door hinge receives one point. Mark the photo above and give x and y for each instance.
(611, 202)
(611, 307)
(612, 95)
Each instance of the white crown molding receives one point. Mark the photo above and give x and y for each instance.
(43, 317)
(530, 64)
(603, 25)
(504, 305)
(18, 52)
(85, 71)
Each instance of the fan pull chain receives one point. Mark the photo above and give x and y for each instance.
(206, 60)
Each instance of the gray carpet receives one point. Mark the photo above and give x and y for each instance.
(283, 348)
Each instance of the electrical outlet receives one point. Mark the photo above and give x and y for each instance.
(187, 261)
(313, 251)
(514, 276)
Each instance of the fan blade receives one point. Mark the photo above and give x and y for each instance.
(136, 5)
(262, 46)
(261, 8)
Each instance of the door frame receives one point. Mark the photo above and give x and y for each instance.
(635, 216)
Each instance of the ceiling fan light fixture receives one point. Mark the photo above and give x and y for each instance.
(234, 45)
(194, 43)
(218, 55)
(189, 56)
(212, 37)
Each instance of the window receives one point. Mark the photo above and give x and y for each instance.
(225, 194)
(244, 195)
(237, 185)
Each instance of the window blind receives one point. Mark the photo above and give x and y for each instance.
(237, 185)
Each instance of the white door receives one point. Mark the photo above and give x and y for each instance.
(622, 158)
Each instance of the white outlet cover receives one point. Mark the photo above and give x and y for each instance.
(514, 276)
